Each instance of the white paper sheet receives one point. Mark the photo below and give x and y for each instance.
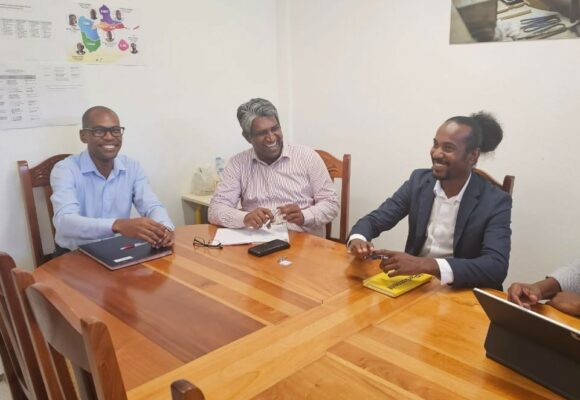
(243, 236)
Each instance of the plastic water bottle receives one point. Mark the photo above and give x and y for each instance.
(219, 166)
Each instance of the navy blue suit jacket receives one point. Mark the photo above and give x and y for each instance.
(482, 237)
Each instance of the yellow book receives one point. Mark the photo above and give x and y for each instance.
(396, 285)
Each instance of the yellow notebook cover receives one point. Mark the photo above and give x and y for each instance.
(396, 285)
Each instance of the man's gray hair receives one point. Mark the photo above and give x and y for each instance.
(252, 109)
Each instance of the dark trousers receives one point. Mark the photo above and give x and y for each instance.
(59, 251)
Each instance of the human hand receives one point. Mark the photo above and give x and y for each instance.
(168, 239)
(524, 294)
(141, 228)
(399, 263)
(258, 217)
(292, 214)
(567, 302)
(360, 248)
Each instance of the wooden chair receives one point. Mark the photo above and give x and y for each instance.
(18, 356)
(85, 342)
(37, 177)
(185, 390)
(506, 186)
(339, 169)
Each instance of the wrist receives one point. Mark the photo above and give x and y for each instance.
(432, 267)
(547, 288)
(118, 226)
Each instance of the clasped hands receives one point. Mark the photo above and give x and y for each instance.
(154, 233)
(527, 295)
(261, 216)
(394, 262)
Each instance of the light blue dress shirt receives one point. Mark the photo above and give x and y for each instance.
(86, 203)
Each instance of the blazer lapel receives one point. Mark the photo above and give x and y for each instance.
(468, 203)
(424, 211)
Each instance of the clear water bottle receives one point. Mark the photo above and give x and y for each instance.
(219, 167)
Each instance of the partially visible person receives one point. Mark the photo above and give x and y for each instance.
(94, 191)
(459, 223)
(273, 177)
(562, 288)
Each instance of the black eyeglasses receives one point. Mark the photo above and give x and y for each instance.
(100, 131)
(201, 242)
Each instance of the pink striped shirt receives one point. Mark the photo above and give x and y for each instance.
(298, 176)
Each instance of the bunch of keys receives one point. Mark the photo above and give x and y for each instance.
(272, 220)
(375, 256)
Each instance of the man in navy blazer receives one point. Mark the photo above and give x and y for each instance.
(459, 223)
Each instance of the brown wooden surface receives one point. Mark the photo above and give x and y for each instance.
(18, 355)
(240, 327)
(339, 169)
(506, 186)
(37, 177)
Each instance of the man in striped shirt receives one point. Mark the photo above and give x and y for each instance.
(272, 178)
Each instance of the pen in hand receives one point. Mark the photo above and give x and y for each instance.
(132, 246)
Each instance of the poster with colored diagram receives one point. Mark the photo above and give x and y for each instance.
(103, 33)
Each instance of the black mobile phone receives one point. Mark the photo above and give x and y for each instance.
(268, 247)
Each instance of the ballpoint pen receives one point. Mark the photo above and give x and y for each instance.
(133, 245)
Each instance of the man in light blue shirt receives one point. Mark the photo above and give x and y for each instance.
(93, 192)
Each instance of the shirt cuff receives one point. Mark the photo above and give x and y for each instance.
(308, 216)
(445, 271)
(356, 236)
(105, 227)
(238, 219)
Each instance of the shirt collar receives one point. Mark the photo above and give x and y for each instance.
(87, 165)
(439, 192)
(285, 154)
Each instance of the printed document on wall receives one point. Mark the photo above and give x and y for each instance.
(103, 33)
(40, 94)
(28, 30)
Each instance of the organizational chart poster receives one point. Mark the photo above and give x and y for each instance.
(77, 32)
(103, 33)
(44, 44)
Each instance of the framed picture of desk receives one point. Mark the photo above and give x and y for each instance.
(475, 21)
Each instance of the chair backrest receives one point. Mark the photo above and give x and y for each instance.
(37, 177)
(506, 186)
(185, 390)
(85, 342)
(56, 390)
(339, 169)
(18, 356)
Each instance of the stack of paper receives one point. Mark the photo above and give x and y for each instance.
(246, 235)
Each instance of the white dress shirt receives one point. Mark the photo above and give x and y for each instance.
(299, 176)
(440, 230)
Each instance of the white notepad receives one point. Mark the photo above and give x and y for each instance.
(228, 236)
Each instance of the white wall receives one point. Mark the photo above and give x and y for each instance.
(371, 77)
(179, 109)
(375, 78)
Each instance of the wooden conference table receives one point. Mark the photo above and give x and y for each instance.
(242, 327)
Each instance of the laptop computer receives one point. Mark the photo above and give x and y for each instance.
(119, 251)
(536, 346)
